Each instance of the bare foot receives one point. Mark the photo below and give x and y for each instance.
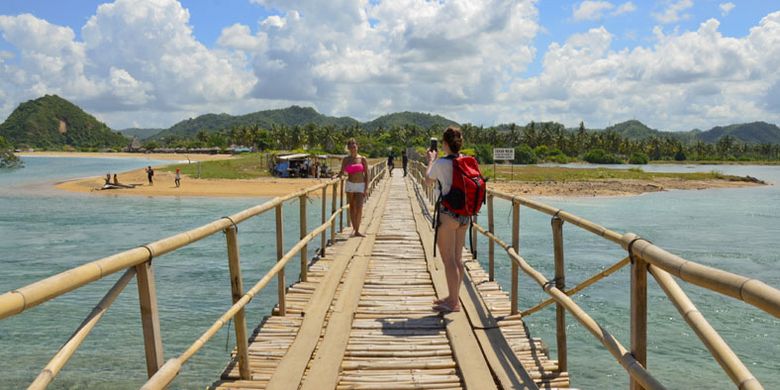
(358, 234)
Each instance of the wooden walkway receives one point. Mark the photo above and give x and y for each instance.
(363, 319)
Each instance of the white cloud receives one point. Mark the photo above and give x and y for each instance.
(135, 55)
(694, 79)
(139, 64)
(674, 12)
(419, 55)
(725, 8)
(624, 8)
(591, 10)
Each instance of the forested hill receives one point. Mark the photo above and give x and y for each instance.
(407, 118)
(751, 133)
(51, 122)
(139, 133)
(291, 116)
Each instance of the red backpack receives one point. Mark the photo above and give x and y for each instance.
(467, 193)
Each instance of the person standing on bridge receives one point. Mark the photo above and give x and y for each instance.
(356, 167)
(451, 234)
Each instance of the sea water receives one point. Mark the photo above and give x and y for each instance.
(44, 231)
(737, 230)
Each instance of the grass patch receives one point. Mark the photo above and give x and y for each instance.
(542, 174)
(246, 166)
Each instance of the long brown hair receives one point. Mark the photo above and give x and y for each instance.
(454, 138)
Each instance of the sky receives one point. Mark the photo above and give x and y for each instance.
(675, 65)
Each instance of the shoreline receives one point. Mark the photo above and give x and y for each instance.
(139, 156)
(274, 186)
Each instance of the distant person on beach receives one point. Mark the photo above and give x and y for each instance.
(150, 175)
(116, 180)
(390, 163)
(108, 178)
(404, 161)
(356, 167)
(451, 235)
(177, 179)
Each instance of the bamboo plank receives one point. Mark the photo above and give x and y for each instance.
(476, 373)
(291, 368)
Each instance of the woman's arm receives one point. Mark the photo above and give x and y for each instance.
(341, 172)
(365, 175)
(431, 159)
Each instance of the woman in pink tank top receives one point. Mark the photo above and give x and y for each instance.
(356, 167)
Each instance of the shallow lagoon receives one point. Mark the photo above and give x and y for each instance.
(44, 231)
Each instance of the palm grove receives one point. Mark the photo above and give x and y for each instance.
(534, 142)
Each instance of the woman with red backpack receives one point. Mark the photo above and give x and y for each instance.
(450, 226)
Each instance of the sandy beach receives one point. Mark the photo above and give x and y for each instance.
(272, 186)
(611, 187)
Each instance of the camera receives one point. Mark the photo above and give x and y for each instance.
(434, 145)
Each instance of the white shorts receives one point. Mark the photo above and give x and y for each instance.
(355, 187)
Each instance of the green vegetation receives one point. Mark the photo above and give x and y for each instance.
(7, 157)
(246, 166)
(599, 156)
(141, 134)
(294, 116)
(51, 123)
(401, 119)
(638, 158)
(542, 174)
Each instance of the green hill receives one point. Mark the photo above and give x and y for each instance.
(51, 122)
(291, 116)
(634, 130)
(406, 118)
(140, 133)
(752, 133)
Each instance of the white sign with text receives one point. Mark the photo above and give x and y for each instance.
(503, 154)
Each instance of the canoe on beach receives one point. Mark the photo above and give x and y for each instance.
(109, 186)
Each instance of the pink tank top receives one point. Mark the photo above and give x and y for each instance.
(354, 168)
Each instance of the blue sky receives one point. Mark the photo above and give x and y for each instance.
(674, 64)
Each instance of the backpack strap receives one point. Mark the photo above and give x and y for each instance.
(471, 238)
(435, 221)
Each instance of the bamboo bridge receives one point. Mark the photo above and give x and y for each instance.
(359, 315)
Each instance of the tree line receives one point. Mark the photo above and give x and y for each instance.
(533, 143)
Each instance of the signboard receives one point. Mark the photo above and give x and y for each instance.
(503, 154)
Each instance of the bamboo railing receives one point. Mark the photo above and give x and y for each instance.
(138, 262)
(644, 258)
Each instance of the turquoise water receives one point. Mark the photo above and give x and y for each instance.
(43, 231)
(732, 229)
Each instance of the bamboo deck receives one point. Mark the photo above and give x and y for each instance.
(363, 319)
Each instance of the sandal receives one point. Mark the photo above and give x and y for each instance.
(445, 308)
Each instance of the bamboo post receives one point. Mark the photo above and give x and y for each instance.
(492, 244)
(150, 317)
(279, 255)
(237, 290)
(516, 246)
(305, 250)
(638, 314)
(323, 239)
(560, 283)
(341, 204)
(69, 348)
(333, 210)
